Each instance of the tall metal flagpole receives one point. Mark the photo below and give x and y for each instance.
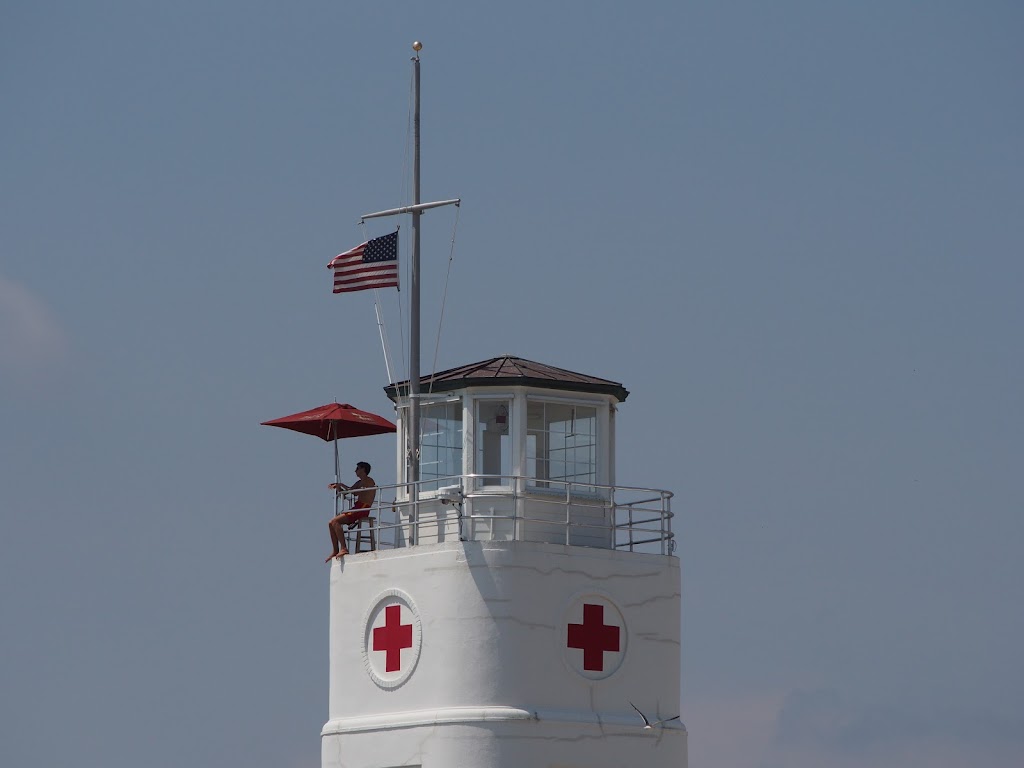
(413, 429)
(414, 311)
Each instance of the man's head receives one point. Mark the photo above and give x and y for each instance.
(362, 469)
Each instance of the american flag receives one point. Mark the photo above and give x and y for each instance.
(374, 264)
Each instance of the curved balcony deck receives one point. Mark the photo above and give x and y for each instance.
(515, 508)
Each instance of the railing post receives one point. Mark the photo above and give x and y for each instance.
(613, 532)
(666, 525)
(517, 503)
(459, 518)
(568, 510)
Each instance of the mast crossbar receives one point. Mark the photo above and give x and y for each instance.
(409, 209)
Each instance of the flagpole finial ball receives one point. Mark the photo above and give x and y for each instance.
(417, 46)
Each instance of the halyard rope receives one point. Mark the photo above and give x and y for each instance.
(444, 298)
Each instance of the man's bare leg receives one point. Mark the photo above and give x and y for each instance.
(337, 528)
(334, 540)
(341, 536)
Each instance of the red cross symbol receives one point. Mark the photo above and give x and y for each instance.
(392, 638)
(593, 637)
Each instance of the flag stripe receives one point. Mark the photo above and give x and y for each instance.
(375, 275)
(363, 287)
(360, 284)
(360, 267)
(342, 260)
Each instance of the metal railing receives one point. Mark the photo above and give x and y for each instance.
(477, 507)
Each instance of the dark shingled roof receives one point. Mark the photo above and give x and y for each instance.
(512, 371)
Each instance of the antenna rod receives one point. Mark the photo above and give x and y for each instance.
(383, 342)
(414, 311)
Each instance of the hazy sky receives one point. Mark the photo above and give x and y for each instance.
(793, 230)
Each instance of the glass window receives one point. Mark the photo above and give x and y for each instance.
(440, 443)
(494, 442)
(561, 444)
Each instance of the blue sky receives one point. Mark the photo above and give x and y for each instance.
(793, 231)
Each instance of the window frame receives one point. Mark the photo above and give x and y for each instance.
(600, 466)
(458, 467)
(473, 402)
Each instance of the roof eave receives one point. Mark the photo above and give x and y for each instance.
(617, 391)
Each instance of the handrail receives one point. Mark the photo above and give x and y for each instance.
(483, 506)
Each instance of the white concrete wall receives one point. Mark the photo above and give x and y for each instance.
(488, 679)
(526, 744)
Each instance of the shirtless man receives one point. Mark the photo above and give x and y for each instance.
(366, 492)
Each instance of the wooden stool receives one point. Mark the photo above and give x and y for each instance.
(369, 533)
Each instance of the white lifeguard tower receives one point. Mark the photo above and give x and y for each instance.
(520, 602)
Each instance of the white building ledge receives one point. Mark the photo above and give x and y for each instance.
(463, 715)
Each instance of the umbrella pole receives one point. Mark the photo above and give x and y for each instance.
(337, 476)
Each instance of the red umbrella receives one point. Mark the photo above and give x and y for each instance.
(333, 422)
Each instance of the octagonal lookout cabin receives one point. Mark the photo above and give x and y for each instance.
(515, 450)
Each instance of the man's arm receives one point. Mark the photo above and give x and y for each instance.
(364, 483)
